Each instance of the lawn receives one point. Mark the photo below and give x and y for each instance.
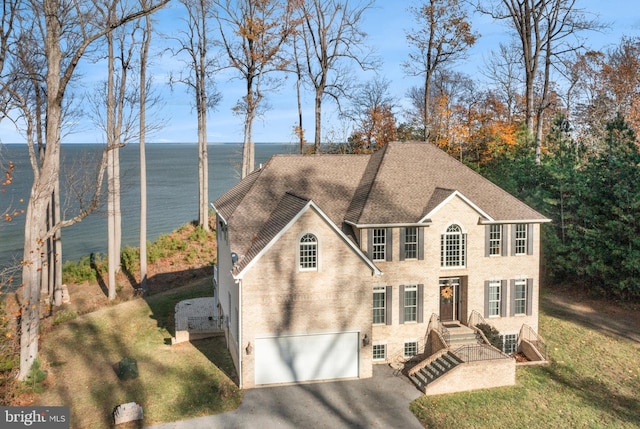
(175, 382)
(593, 381)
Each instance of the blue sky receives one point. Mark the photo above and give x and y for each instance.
(385, 25)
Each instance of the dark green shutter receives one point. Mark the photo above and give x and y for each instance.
(530, 239)
(486, 299)
(420, 302)
(529, 297)
(503, 298)
(512, 290)
(389, 244)
(401, 305)
(403, 237)
(420, 243)
(487, 240)
(504, 240)
(389, 297)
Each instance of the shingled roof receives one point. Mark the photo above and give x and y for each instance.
(401, 184)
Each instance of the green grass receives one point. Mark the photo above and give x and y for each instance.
(174, 382)
(592, 382)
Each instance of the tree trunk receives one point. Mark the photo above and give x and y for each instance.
(318, 116)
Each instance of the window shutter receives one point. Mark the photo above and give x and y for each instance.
(402, 243)
(370, 243)
(486, 299)
(512, 301)
(530, 239)
(503, 298)
(529, 297)
(513, 239)
(420, 243)
(401, 305)
(389, 244)
(487, 236)
(420, 301)
(505, 241)
(389, 297)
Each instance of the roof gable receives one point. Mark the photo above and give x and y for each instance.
(289, 210)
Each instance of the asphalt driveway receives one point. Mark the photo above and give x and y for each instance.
(379, 402)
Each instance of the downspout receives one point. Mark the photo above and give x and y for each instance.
(240, 342)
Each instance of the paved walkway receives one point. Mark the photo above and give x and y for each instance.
(378, 402)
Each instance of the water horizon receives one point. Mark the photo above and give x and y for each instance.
(172, 191)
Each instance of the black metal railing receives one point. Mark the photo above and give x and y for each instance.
(528, 334)
(480, 352)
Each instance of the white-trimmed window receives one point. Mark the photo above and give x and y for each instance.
(520, 297)
(410, 303)
(308, 253)
(410, 349)
(509, 343)
(411, 243)
(379, 352)
(453, 248)
(379, 245)
(379, 305)
(495, 298)
(495, 240)
(521, 239)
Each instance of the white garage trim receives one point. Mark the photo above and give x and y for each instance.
(306, 357)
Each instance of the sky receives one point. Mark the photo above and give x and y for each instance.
(385, 24)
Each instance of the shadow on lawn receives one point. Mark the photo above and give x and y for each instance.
(595, 392)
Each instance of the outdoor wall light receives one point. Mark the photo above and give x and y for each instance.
(249, 348)
(365, 341)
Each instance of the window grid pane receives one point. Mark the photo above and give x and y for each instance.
(379, 306)
(453, 248)
(308, 252)
(520, 297)
(411, 303)
(411, 243)
(410, 349)
(379, 244)
(495, 239)
(521, 239)
(494, 299)
(379, 351)
(510, 343)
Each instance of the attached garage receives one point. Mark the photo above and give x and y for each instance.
(296, 358)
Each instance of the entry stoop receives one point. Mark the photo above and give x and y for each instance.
(460, 335)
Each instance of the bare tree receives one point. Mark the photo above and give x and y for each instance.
(546, 30)
(144, 59)
(332, 40)
(68, 29)
(253, 33)
(195, 43)
(442, 36)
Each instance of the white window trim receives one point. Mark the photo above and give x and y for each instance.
(377, 344)
(416, 243)
(524, 239)
(522, 282)
(494, 283)
(462, 254)
(383, 290)
(299, 255)
(374, 253)
(410, 288)
(496, 240)
(404, 348)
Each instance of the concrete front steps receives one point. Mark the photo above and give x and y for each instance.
(435, 370)
(460, 335)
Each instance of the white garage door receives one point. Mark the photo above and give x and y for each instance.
(294, 358)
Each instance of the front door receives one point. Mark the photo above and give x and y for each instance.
(449, 289)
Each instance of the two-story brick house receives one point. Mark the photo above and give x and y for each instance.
(329, 264)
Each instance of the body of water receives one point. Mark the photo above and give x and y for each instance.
(172, 191)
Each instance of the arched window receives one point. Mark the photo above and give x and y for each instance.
(308, 252)
(453, 247)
